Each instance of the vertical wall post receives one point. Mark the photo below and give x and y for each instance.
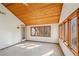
(78, 30)
(69, 33)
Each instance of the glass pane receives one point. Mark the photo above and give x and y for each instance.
(63, 31)
(66, 32)
(60, 32)
(43, 31)
(47, 31)
(33, 31)
(73, 33)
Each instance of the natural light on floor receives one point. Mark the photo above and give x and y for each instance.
(28, 46)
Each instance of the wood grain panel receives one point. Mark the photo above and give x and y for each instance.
(36, 13)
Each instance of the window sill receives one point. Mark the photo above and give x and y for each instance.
(66, 43)
(73, 51)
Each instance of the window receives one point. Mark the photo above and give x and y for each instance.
(60, 31)
(73, 34)
(42, 31)
(66, 32)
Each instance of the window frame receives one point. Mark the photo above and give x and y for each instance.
(63, 34)
(73, 15)
(66, 42)
(60, 31)
(68, 19)
(41, 27)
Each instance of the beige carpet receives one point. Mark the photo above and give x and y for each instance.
(30, 48)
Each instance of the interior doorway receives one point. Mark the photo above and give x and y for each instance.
(23, 33)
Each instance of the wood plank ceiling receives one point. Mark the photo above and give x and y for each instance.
(36, 13)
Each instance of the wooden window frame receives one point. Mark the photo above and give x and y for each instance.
(78, 30)
(73, 15)
(66, 43)
(68, 19)
(63, 31)
(60, 31)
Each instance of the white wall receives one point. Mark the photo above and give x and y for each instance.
(67, 9)
(9, 34)
(53, 38)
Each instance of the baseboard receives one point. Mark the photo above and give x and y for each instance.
(42, 41)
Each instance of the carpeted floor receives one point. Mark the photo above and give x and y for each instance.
(30, 48)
